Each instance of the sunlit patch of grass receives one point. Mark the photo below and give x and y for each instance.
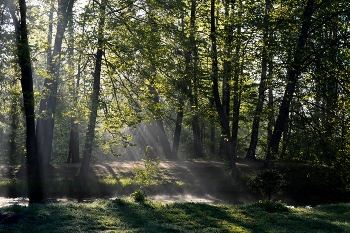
(126, 181)
(109, 180)
(180, 183)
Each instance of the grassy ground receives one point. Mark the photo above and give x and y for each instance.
(174, 180)
(168, 178)
(126, 215)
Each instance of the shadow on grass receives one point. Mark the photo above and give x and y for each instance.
(123, 215)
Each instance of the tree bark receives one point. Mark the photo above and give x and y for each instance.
(178, 128)
(227, 66)
(90, 133)
(158, 123)
(262, 86)
(35, 191)
(198, 147)
(292, 78)
(73, 153)
(270, 110)
(236, 93)
(223, 120)
(45, 123)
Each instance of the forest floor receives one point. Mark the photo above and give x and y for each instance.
(174, 181)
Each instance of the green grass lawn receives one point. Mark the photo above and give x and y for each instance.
(126, 215)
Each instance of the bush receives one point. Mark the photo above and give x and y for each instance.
(267, 182)
(271, 206)
(139, 196)
(147, 175)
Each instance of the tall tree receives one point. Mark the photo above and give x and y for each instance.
(262, 86)
(90, 133)
(45, 123)
(35, 191)
(293, 73)
(194, 84)
(237, 71)
(224, 122)
(73, 153)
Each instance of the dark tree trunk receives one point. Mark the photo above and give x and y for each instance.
(90, 133)
(158, 123)
(212, 132)
(223, 120)
(178, 127)
(35, 191)
(227, 65)
(163, 138)
(73, 153)
(236, 93)
(261, 92)
(198, 147)
(270, 109)
(45, 123)
(292, 78)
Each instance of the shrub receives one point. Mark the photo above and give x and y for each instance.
(271, 206)
(139, 196)
(267, 182)
(147, 175)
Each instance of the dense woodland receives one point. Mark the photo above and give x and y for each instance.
(94, 80)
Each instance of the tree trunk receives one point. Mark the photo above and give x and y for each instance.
(178, 127)
(90, 133)
(270, 106)
(236, 80)
(35, 191)
(198, 147)
(261, 92)
(292, 78)
(158, 123)
(223, 120)
(163, 138)
(227, 65)
(212, 132)
(73, 153)
(45, 123)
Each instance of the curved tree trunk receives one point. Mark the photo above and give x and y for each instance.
(261, 92)
(292, 79)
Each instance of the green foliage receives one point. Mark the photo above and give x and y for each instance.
(139, 196)
(271, 206)
(267, 182)
(147, 175)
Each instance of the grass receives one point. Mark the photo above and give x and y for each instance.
(122, 182)
(125, 215)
